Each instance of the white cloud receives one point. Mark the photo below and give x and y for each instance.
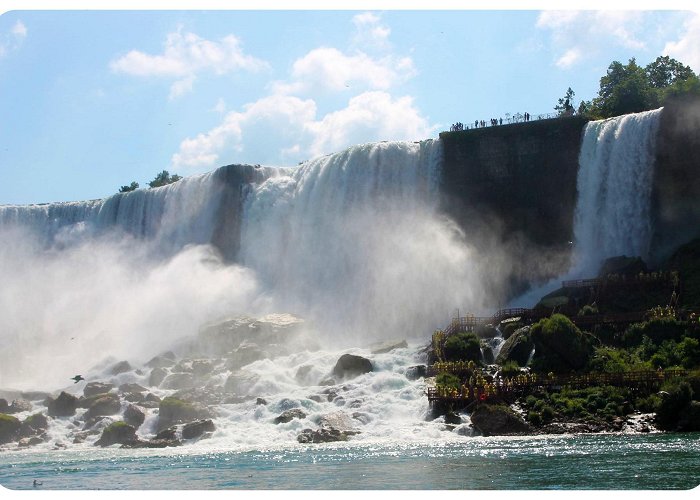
(369, 32)
(11, 41)
(576, 35)
(686, 49)
(184, 56)
(282, 126)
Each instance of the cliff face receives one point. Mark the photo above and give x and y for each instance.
(516, 184)
(676, 189)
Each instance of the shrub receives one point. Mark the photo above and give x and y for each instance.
(510, 369)
(547, 414)
(448, 381)
(588, 310)
(559, 345)
(657, 330)
(462, 346)
(534, 418)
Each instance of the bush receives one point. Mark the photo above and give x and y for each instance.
(588, 310)
(534, 418)
(462, 347)
(510, 369)
(559, 345)
(547, 414)
(164, 178)
(448, 381)
(657, 330)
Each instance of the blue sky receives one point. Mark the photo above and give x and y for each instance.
(92, 100)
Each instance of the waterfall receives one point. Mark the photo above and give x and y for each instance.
(614, 184)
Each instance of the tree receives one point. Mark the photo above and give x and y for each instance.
(131, 187)
(665, 71)
(164, 178)
(624, 89)
(565, 106)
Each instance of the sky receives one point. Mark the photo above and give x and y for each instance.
(93, 100)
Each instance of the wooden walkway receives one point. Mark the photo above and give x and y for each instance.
(520, 385)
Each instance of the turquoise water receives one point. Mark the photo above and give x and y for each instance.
(656, 461)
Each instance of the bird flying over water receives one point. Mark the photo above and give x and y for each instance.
(77, 378)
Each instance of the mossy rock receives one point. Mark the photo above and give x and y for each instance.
(177, 411)
(516, 348)
(497, 420)
(9, 428)
(117, 432)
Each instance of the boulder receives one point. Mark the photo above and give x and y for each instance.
(19, 405)
(384, 347)
(452, 418)
(197, 429)
(178, 381)
(29, 441)
(128, 388)
(416, 372)
(34, 424)
(103, 405)
(177, 411)
(289, 415)
(63, 406)
(3, 405)
(152, 443)
(95, 388)
(134, 416)
(95, 424)
(517, 348)
(240, 383)
(338, 420)
(487, 354)
(157, 376)
(244, 355)
(486, 331)
(203, 395)
(497, 420)
(117, 433)
(202, 367)
(162, 360)
(260, 401)
(350, 365)
(321, 436)
(167, 434)
(121, 367)
(9, 428)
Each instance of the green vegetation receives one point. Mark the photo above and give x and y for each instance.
(559, 345)
(591, 403)
(131, 187)
(164, 178)
(448, 381)
(462, 347)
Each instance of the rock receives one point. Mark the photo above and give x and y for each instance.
(363, 418)
(623, 265)
(176, 411)
(338, 420)
(3, 405)
(201, 395)
(350, 365)
(19, 405)
(289, 415)
(321, 436)
(327, 381)
(162, 360)
(197, 429)
(9, 428)
(302, 373)
(486, 331)
(261, 401)
(240, 383)
(34, 424)
(152, 443)
(416, 372)
(487, 354)
(121, 367)
(133, 397)
(178, 381)
(167, 434)
(315, 397)
(95, 388)
(104, 405)
(157, 376)
(202, 367)
(29, 441)
(384, 347)
(517, 348)
(94, 424)
(134, 416)
(128, 388)
(117, 432)
(244, 355)
(63, 406)
(497, 420)
(150, 397)
(453, 419)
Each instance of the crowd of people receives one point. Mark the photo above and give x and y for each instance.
(518, 117)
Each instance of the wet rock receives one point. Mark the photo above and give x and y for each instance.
(289, 415)
(240, 383)
(167, 434)
(316, 398)
(104, 405)
(327, 381)
(361, 417)
(202, 367)
(95, 424)
(486, 331)
(157, 376)
(95, 388)
(29, 441)
(302, 373)
(517, 348)
(18, 406)
(9, 428)
(497, 420)
(198, 429)
(63, 406)
(203, 395)
(127, 388)
(244, 355)
(133, 397)
(121, 367)
(338, 420)
(134, 416)
(350, 365)
(416, 372)
(4, 406)
(162, 360)
(117, 433)
(176, 411)
(321, 436)
(384, 347)
(152, 443)
(178, 381)
(34, 424)
(487, 354)
(261, 401)
(453, 419)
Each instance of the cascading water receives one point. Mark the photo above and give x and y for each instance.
(614, 189)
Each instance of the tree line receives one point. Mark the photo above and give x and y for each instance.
(161, 179)
(630, 88)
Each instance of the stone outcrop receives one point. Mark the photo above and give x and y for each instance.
(63, 406)
(289, 415)
(517, 348)
(497, 420)
(9, 428)
(351, 365)
(198, 429)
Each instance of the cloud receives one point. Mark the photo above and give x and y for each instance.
(283, 126)
(685, 49)
(576, 35)
(369, 32)
(186, 55)
(13, 40)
